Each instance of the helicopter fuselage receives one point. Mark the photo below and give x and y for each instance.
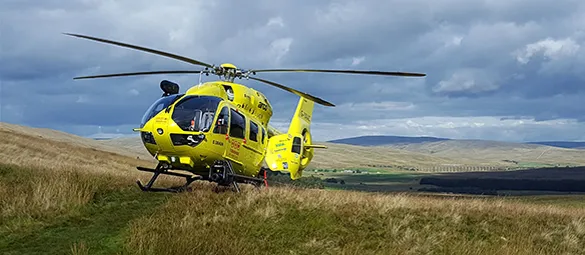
(211, 121)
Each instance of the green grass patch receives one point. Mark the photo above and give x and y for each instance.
(100, 227)
(535, 165)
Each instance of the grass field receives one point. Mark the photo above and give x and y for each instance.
(61, 197)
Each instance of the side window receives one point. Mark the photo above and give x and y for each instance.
(223, 120)
(296, 146)
(253, 131)
(237, 125)
(263, 135)
(229, 91)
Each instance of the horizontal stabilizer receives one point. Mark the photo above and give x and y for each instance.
(316, 146)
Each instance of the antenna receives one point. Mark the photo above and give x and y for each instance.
(200, 74)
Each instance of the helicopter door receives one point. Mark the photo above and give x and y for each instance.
(237, 133)
(253, 145)
(220, 132)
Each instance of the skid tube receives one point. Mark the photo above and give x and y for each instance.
(221, 173)
(163, 169)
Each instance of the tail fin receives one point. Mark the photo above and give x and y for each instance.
(292, 152)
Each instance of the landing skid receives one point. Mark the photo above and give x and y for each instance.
(221, 172)
(163, 169)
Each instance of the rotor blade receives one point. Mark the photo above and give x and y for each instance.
(131, 74)
(296, 92)
(166, 54)
(340, 71)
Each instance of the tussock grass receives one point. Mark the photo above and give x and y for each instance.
(79, 249)
(37, 193)
(287, 220)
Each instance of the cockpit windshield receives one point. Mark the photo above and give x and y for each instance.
(195, 113)
(158, 106)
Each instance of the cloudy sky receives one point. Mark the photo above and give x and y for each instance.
(511, 70)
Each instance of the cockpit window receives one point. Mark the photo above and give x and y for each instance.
(195, 113)
(158, 106)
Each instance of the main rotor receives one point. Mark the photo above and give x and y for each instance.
(229, 72)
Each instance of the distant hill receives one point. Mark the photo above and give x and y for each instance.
(379, 140)
(562, 144)
(493, 151)
(386, 140)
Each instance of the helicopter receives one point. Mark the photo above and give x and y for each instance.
(219, 131)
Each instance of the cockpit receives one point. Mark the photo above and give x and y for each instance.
(195, 113)
(191, 113)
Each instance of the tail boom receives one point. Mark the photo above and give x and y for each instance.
(292, 152)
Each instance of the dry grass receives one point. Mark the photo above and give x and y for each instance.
(64, 138)
(42, 179)
(34, 193)
(55, 150)
(79, 249)
(284, 220)
(44, 176)
(25, 148)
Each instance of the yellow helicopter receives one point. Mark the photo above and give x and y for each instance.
(219, 131)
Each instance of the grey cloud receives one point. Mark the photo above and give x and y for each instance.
(470, 51)
(468, 80)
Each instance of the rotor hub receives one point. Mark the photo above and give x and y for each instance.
(228, 72)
